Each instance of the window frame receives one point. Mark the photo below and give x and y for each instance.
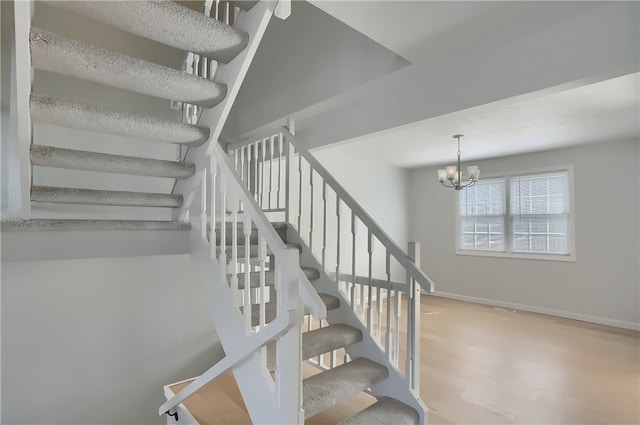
(508, 221)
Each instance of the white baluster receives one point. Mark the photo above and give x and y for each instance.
(262, 172)
(223, 228)
(203, 208)
(278, 203)
(370, 293)
(234, 249)
(262, 257)
(324, 224)
(300, 195)
(213, 169)
(354, 300)
(398, 300)
(271, 154)
(246, 228)
(256, 191)
(311, 208)
(413, 319)
(387, 339)
(338, 277)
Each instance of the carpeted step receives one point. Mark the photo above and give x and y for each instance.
(166, 22)
(384, 412)
(320, 341)
(329, 301)
(281, 229)
(83, 225)
(269, 277)
(64, 195)
(89, 117)
(73, 58)
(47, 156)
(328, 388)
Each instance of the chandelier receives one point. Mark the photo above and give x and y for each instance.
(452, 176)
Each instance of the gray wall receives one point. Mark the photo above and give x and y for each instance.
(92, 341)
(381, 190)
(602, 285)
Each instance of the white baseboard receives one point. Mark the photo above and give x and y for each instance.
(542, 310)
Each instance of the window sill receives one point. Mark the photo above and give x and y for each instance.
(524, 256)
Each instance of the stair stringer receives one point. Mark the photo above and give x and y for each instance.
(252, 377)
(395, 385)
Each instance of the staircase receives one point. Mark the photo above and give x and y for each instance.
(220, 48)
(281, 235)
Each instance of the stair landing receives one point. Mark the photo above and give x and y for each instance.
(220, 402)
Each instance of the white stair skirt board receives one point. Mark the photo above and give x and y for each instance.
(62, 55)
(46, 156)
(328, 388)
(40, 242)
(167, 23)
(63, 195)
(88, 117)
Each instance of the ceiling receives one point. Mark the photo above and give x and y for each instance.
(595, 109)
(600, 112)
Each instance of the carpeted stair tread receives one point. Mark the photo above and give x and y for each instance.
(328, 388)
(62, 55)
(166, 22)
(329, 301)
(89, 117)
(47, 156)
(269, 277)
(84, 225)
(384, 412)
(320, 341)
(65, 195)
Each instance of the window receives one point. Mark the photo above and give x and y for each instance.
(518, 215)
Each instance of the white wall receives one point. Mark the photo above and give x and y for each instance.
(602, 285)
(381, 189)
(92, 341)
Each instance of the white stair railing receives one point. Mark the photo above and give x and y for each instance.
(260, 302)
(253, 22)
(375, 276)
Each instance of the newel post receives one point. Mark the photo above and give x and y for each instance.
(414, 314)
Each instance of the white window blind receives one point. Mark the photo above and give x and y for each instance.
(482, 216)
(540, 213)
(517, 215)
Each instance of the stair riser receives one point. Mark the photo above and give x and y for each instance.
(103, 197)
(269, 278)
(73, 58)
(88, 117)
(90, 225)
(46, 156)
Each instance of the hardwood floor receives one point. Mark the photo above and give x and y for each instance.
(484, 366)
